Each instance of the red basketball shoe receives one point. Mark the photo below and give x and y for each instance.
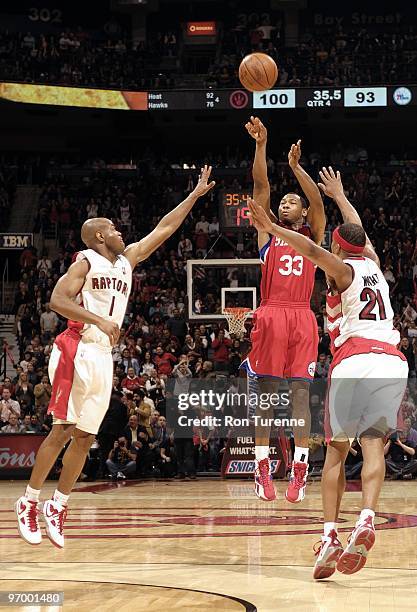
(296, 489)
(360, 543)
(54, 515)
(27, 520)
(264, 486)
(328, 554)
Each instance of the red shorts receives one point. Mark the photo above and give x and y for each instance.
(284, 342)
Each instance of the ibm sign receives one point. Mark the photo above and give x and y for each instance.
(15, 241)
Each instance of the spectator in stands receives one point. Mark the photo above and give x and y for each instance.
(24, 390)
(131, 431)
(148, 366)
(128, 361)
(42, 393)
(26, 425)
(121, 461)
(144, 412)
(155, 388)
(235, 358)
(205, 370)
(221, 346)
(32, 375)
(400, 453)
(13, 425)
(185, 248)
(324, 342)
(8, 406)
(177, 326)
(409, 432)
(49, 323)
(34, 423)
(131, 382)
(44, 263)
(7, 384)
(407, 350)
(213, 228)
(22, 296)
(322, 367)
(164, 361)
(183, 375)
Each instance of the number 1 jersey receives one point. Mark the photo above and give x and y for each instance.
(105, 293)
(287, 276)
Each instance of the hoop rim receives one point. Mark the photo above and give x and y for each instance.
(236, 310)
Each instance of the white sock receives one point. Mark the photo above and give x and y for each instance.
(60, 498)
(261, 452)
(301, 454)
(328, 527)
(32, 494)
(365, 513)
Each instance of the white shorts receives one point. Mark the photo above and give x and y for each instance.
(82, 377)
(365, 393)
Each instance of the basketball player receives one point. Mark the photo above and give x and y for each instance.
(367, 378)
(93, 296)
(284, 336)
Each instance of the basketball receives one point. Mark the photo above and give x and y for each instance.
(258, 72)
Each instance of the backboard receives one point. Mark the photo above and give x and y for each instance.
(213, 284)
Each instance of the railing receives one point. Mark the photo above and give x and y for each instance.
(3, 359)
(5, 279)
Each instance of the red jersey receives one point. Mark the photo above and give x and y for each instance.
(287, 276)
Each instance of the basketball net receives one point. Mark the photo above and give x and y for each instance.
(236, 318)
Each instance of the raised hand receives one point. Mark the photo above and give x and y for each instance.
(259, 217)
(294, 155)
(203, 186)
(257, 130)
(332, 183)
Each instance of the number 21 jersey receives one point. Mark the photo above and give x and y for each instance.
(364, 309)
(287, 276)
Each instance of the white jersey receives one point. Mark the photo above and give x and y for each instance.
(364, 309)
(105, 293)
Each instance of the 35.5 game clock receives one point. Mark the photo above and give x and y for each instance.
(234, 210)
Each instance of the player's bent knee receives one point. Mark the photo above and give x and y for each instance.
(60, 434)
(83, 438)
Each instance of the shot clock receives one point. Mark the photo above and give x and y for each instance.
(234, 210)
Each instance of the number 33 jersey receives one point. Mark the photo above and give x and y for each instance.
(287, 276)
(364, 309)
(105, 293)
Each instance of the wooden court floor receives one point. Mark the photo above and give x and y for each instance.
(208, 545)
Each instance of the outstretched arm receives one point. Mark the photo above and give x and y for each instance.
(332, 265)
(138, 251)
(332, 187)
(261, 187)
(316, 216)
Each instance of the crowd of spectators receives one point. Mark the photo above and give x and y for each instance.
(335, 56)
(341, 55)
(80, 59)
(159, 352)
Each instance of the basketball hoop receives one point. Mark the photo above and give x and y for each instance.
(236, 318)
